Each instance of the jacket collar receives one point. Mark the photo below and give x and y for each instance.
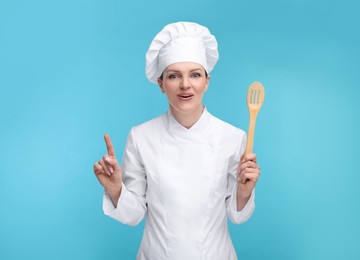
(200, 126)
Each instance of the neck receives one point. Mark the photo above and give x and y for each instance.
(187, 119)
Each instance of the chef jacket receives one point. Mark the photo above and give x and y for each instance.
(184, 181)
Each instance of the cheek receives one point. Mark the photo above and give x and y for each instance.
(169, 92)
(201, 88)
(170, 88)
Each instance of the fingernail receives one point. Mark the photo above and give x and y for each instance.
(111, 170)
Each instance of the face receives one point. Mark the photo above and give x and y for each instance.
(184, 84)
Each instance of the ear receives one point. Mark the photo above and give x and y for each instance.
(160, 83)
(207, 83)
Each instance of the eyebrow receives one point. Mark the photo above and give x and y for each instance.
(180, 71)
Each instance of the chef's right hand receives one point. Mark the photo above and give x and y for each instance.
(108, 172)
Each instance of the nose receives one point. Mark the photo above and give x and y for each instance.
(185, 83)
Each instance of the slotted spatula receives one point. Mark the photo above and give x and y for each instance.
(255, 98)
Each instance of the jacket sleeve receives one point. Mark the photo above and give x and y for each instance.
(131, 206)
(237, 217)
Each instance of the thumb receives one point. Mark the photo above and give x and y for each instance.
(242, 158)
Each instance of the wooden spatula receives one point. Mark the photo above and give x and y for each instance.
(255, 98)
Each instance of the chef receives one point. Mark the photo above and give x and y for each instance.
(184, 171)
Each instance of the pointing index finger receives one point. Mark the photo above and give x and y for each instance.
(109, 145)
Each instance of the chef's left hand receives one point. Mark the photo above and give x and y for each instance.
(247, 175)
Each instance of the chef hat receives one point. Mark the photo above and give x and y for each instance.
(181, 42)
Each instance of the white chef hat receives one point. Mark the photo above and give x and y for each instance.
(181, 42)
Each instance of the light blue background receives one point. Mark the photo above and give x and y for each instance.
(72, 70)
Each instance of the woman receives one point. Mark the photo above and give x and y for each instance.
(183, 170)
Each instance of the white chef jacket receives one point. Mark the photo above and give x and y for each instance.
(184, 182)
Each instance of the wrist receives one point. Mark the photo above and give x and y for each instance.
(114, 191)
(241, 199)
(114, 195)
(241, 194)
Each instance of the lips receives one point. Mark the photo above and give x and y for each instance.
(185, 95)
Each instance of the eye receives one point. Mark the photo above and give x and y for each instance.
(196, 75)
(173, 76)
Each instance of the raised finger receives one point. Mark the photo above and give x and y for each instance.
(109, 145)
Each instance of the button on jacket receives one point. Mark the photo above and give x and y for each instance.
(184, 182)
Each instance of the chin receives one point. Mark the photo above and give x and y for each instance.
(186, 108)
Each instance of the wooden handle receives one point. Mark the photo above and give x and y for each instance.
(255, 98)
(251, 133)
